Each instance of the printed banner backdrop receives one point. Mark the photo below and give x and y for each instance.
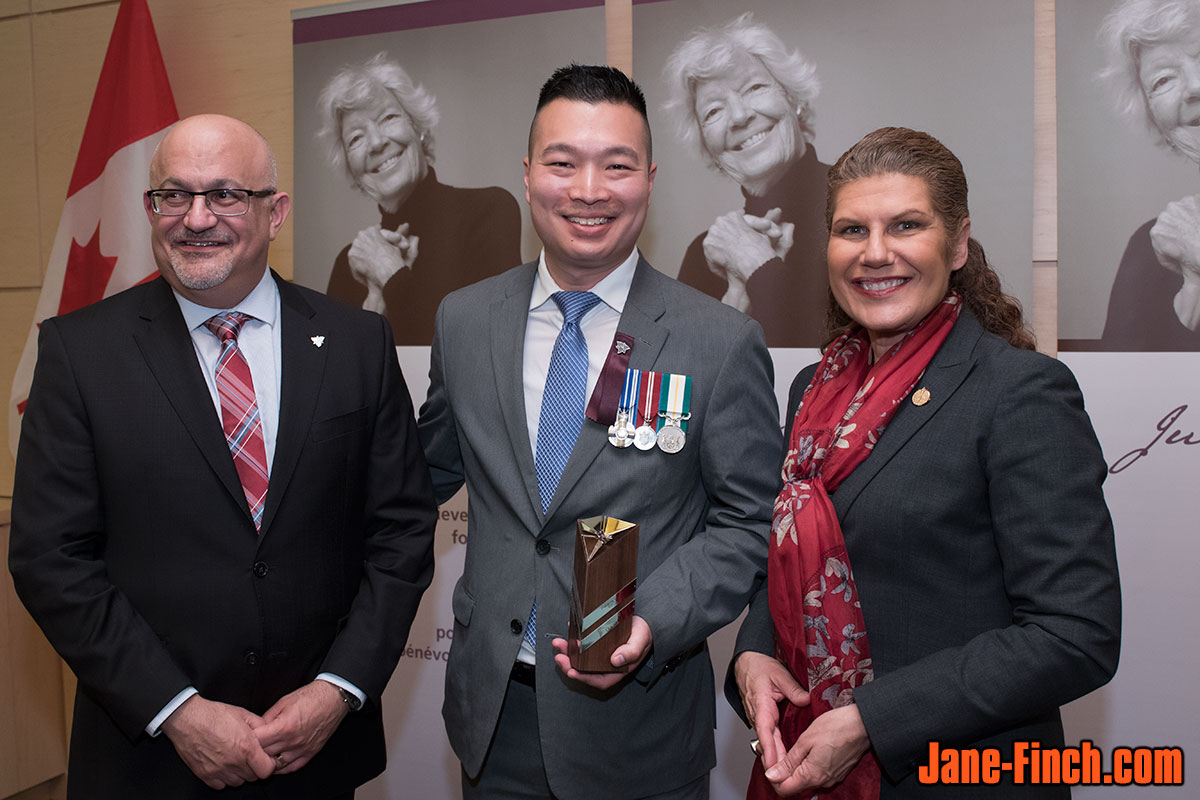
(875, 68)
(485, 73)
(1146, 411)
(1114, 177)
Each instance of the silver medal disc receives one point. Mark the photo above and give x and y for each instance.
(671, 439)
(645, 437)
(620, 433)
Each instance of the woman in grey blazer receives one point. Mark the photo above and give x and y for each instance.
(942, 573)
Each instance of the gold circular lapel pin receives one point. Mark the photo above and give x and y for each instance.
(920, 396)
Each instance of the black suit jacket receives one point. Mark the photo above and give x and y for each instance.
(984, 557)
(133, 547)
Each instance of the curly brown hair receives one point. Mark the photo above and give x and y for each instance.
(915, 153)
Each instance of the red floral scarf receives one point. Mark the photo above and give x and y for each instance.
(819, 631)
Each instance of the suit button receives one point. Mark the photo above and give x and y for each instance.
(543, 547)
(515, 625)
(251, 658)
(260, 569)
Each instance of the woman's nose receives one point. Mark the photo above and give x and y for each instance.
(876, 251)
(740, 111)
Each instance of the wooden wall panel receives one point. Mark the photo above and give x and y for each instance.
(12, 8)
(618, 34)
(16, 313)
(18, 206)
(32, 739)
(68, 51)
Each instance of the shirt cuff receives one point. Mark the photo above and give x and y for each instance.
(155, 726)
(342, 683)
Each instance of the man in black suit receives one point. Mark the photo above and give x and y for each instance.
(257, 632)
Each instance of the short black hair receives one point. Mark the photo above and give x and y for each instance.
(592, 83)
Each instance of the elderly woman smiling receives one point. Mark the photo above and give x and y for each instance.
(432, 239)
(746, 100)
(1153, 49)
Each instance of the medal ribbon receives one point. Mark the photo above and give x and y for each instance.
(629, 394)
(677, 399)
(648, 398)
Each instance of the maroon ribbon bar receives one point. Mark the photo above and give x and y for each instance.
(607, 395)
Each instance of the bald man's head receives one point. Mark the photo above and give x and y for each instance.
(209, 256)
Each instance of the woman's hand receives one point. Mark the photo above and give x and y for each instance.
(823, 755)
(1176, 240)
(737, 244)
(763, 682)
(376, 255)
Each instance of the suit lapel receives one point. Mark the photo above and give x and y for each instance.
(303, 368)
(166, 344)
(644, 307)
(509, 316)
(950, 366)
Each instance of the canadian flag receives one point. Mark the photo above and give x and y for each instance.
(102, 245)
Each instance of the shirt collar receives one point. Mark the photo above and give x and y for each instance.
(613, 290)
(260, 304)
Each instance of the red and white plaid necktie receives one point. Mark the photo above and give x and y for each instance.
(239, 412)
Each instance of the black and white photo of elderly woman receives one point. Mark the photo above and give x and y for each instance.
(377, 125)
(1153, 55)
(744, 99)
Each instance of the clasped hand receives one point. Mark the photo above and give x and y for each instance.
(376, 255)
(823, 754)
(738, 244)
(225, 745)
(1175, 237)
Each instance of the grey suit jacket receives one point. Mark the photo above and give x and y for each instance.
(704, 514)
(133, 548)
(984, 557)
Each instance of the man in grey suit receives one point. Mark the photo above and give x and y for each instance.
(494, 419)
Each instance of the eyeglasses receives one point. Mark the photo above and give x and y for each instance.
(222, 202)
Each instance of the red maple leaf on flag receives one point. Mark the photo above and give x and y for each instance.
(87, 274)
(88, 271)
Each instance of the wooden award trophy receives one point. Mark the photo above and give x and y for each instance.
(602, 598)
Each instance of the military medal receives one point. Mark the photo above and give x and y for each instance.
(676, 399)
(671, 438)
(620, 433)
(646, 435)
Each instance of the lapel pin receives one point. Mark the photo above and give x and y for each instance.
(318, 340)
(622, 348)
(921, 396)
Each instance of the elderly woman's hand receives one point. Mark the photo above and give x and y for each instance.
(737, 244)
(376, 255)
(763, 682)
(1176, 240)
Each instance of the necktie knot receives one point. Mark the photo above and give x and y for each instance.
(227, 326)
(574, 305)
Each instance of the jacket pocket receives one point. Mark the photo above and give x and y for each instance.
(462, 604)
(339, 426)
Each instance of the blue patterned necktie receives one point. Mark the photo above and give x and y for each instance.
(563, 402)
